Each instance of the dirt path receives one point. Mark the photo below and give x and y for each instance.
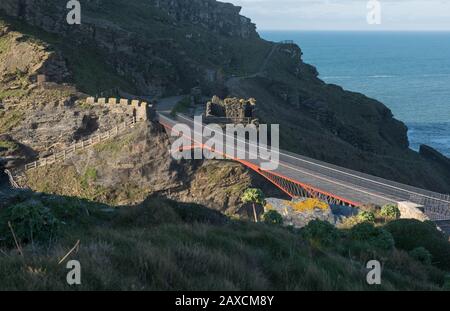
(233, 83)
(168, 103)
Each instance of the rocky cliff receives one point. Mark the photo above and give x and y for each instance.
(164, 47)
(159, 46)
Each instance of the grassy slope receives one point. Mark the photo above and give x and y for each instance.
(163, 245)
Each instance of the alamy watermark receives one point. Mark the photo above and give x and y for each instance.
(74, 275)
(236, 141)
(374, 12)
(74, 15)
(374, 275)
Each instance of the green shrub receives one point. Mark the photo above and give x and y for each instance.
(410, 234)
(182, 106)
(193, 213)
(376, 238)
(446, 285)
(321, 232)
(422, 255)
(390, 211)
(89, 176)
(273, 217)
(31, 221)
(366, 217)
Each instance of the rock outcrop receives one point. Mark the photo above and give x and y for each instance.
(435, 156)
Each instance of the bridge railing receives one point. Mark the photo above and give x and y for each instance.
(389, 190)
(404, 190)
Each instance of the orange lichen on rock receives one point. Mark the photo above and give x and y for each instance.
(308, 205)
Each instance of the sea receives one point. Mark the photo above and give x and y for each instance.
(407, 71)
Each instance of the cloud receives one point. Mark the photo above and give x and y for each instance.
(346, 14)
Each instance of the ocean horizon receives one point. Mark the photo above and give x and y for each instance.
(407, 71)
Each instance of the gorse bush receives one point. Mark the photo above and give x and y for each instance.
(390, 211)
(376, 238)
(321, 232)
(422, 255)
(273, 217)
(366, 217)
(410, 234)
(41, 218)
(31, 220)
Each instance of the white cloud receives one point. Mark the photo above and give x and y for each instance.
(346, 14)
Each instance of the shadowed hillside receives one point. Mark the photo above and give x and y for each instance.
(164, 245)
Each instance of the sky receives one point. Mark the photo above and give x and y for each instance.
(396, 15)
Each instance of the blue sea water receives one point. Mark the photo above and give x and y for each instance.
(407, 71)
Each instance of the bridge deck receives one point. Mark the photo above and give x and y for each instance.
(337, 182)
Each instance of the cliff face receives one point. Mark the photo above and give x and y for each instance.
(221, 18)
(218, 17)
(166, 47)
(160, 45)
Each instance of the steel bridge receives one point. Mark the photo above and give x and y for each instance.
(300, 176)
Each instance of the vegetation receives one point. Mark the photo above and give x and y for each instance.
(40, 218)
(273, 217)
(8, 145)
(410, 234)
(374, 237)
(182, 106)
(89, 177)
(113, 147)
(320, 233)
(422, 255)
(255, 197)
(4, 41)
(366, 217)
(10, 119)
(390, 212)
(32, 221)
(164, 245)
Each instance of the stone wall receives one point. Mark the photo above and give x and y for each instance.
(130, 107)
(231, 108)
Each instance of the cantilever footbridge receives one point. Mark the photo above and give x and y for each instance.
(300, 176)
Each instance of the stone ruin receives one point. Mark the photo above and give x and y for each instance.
(231, 110)
(136, 108)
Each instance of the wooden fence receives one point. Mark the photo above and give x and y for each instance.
(81, 145)
(16, 176)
